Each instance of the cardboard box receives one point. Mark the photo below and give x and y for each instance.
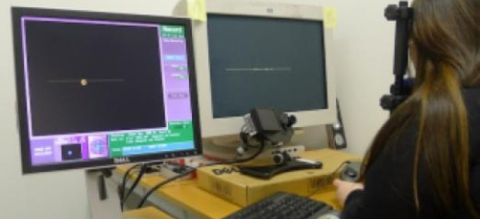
(225, 182)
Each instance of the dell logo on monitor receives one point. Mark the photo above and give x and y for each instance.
(270, 10)
(121, 160)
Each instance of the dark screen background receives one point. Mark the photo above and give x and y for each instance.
(120, 63)
(291, 50)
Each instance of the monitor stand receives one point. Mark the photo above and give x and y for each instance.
(102, 195)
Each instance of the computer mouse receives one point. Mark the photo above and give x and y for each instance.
(351, 172)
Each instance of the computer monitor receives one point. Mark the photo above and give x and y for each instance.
(99, 89)
(263, 54)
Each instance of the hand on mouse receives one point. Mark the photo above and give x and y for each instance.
(345, 188)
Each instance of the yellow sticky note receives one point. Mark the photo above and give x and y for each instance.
(197, 10)
(330, 17)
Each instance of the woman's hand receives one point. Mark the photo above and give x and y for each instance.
(344, 189)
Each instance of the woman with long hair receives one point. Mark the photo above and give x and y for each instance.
(425, 160)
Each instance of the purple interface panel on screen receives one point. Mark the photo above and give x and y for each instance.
(90, 146)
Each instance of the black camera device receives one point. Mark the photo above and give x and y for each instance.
(270, 125)
(276, 128)
(402, 14)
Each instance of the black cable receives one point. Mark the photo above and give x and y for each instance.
(151, 191)
(244, 138)
(124, 181)
(134, 185)
(156, 187)
(129, 171)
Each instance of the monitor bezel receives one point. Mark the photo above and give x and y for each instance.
(27, 166)
(215, 127)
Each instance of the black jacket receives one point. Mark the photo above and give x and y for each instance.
(389, 186)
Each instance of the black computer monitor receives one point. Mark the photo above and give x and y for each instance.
(99, 89)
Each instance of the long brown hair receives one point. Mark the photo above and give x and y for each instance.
(446, 46)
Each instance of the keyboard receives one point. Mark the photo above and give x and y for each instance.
(283, 206)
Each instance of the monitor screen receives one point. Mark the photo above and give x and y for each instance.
(266, 62)
(98, 89)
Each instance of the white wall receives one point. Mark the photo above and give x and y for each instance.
(363, 60)
(364, 43)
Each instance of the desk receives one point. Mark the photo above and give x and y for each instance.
(147, 213)
(184, 199)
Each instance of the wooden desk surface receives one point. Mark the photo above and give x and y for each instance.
(147, 213)
(187, 194)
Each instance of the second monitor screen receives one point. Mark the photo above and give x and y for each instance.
(266, 62)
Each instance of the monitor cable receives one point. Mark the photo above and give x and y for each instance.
(228, 162)
(140, 170)
(125, 196)
(124, 180)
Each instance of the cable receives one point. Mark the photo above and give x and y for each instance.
(129, 171)
(134, 185)
(145, 197)
(156, 187)
(328, 178)
(124, 182)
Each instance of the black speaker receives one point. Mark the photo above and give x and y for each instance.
(336, 133)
